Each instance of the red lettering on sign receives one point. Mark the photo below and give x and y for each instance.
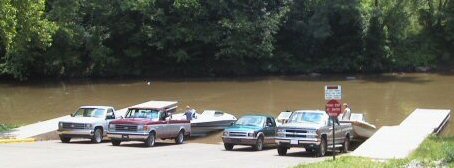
(332, 87)
(334, 108)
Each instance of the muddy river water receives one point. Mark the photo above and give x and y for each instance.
(385, 99)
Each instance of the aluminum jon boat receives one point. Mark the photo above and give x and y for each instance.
(209, 121)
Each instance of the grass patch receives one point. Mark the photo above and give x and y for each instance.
(433, 152)
(7, 127)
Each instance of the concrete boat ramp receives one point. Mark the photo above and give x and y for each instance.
(397, 142)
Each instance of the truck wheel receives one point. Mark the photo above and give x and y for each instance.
(228, 147)
(346, 145)
(150, 140)
(180, 138)
(65, 139)
(259, 145)
(321, 149)
(282, 151)
(97, 136)
(116, 142)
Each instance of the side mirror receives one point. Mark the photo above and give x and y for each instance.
(72, 114)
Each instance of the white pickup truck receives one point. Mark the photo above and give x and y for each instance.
(87, 122)
(312, 130)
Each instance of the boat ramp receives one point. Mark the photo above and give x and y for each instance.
(397, 142)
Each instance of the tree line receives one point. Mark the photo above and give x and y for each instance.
(122, 38)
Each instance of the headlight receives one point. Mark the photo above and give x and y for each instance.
(88, 126)
(251, 134)
(226, 133)
(311, 131)
(281, 132)
(60, 125)
(140, 127)
(112, 127)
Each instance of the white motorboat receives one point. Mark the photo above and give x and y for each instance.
(209, 121)
(361, 128)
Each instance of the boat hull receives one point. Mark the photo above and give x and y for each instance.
(361, 130)
(202, 128)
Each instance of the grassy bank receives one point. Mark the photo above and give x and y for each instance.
(433, 152)
(7, 127)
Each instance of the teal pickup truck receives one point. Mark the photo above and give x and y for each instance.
(253, 130)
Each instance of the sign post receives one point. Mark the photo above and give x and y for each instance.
(333, 107)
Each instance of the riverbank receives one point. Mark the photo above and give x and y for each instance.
(433, 152)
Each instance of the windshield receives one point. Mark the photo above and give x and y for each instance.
(142, 113)
(300, 117)
(90, 112)
(250, 121)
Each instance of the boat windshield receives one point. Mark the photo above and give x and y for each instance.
(90, 112)
(142, 113)
(250, 121)
(309, 117)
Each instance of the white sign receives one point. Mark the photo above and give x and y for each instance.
(333, 92)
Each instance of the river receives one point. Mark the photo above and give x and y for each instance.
(385, 99)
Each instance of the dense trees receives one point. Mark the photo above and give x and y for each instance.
(105, 38)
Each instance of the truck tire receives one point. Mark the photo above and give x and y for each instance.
(259, 144)
(65, 139)
(116, 142)
(97, 136)
(228, 147)
(346, 145)
(321, 149)
(150, 140)
(180, 137)
(282, 151)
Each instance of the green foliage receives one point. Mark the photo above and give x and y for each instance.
(322, 36)
(433, 152)
(7, 127)
(376, 50)
(26, 34)
(105, 38)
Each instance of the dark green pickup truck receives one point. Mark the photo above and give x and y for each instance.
(253, 130)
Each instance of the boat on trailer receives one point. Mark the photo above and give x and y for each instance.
(361, 128)
(209, 121)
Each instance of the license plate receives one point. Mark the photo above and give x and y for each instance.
(125, 136)
(294, 142)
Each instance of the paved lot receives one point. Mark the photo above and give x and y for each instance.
(53, 154)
